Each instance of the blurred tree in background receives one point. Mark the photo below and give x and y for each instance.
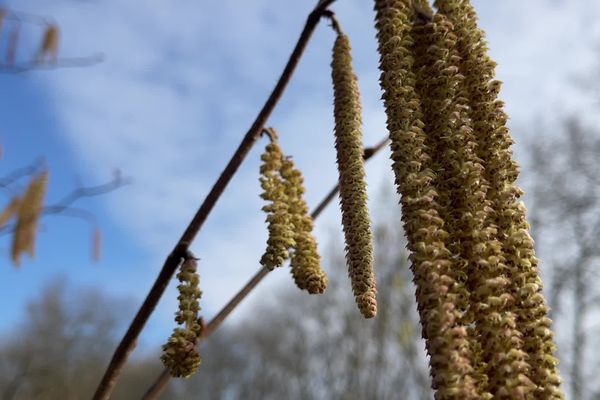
(566, 215)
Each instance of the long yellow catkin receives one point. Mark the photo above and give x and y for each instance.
(472, 232)
(180, 354)
(501, 171)
(353, 190)
(29, 213)
(305, 260)
(281, 232)
(438, 281)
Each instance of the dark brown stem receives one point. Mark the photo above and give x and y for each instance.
(127, 344)
(163, 379)
(335, 24)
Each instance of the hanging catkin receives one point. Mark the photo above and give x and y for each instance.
(353, 191)
(49, 46)
(305, 262)
(2, 19)
(462, 188)
(501, 171)
(438, 281)
(30, 209)
(281, 232)
(10, 210)
(180, 354)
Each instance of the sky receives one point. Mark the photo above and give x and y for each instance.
(180, 85)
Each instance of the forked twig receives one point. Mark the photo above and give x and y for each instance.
(64, 206)
(164, 378)
(170, 265)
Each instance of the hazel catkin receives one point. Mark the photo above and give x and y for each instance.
(281, 232)
(353, 191)
(180, 354)
(49, 47)
(30, 210)
(499, 360)
(439, 281)
(501, 171)
(305, 260)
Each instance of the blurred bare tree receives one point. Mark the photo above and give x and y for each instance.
(290, 346)
(60, 348)
(566, 196)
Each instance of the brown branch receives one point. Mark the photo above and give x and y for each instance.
(163, 379)
(170, 265)
(335, 24)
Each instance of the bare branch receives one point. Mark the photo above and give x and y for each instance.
(170, 265)
(64, 207)
(17, 174)
(73, 62)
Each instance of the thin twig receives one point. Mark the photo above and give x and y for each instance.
(170, 265)
(163, 379)
(335, 24)
(64, 206)
(34, 167)
(28, 18)
(73, 62)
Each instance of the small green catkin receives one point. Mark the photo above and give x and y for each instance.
(281, 232)
(501, 171)
(180, 354)
(305, 260)
(353, 190)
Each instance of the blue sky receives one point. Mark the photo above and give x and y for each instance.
(180, 85)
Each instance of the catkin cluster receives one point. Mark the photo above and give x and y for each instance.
(353, 190)
(478, 289)
(289, 223)
(180, 354)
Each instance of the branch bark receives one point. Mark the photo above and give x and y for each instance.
(170, 265)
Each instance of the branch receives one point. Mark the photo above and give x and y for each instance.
(163, 379)
(73, 62)
(17, 174)
(170, 265)
(63, 207)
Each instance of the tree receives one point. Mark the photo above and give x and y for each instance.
(566, 193)
(61, 344)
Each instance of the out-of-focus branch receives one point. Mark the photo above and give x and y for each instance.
(64, 206)
(72, 62)
(163, 379)
(11, 178)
